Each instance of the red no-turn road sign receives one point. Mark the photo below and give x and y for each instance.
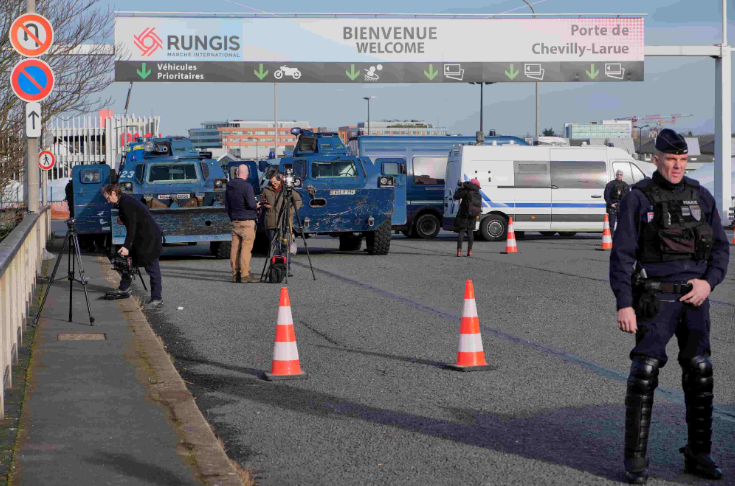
(32, 80)
(31, 35)
(46, 160)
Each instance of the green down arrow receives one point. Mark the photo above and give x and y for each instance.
(431, 74)
(260, 73)
(352, 75)
(512, 74)
(594, 73)
(144, 74)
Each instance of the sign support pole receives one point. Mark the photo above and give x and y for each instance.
(275, 117)
(723, 126)
(32, 172)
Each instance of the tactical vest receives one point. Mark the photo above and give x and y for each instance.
(618, 190)
(677, 229)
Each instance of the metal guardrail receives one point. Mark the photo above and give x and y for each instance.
(21, 255)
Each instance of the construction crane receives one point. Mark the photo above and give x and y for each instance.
(655, 122)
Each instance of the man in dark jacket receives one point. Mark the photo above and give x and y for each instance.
(69, 190)
(469, 210)
(615, 190)
(143, 241)
(242, 208)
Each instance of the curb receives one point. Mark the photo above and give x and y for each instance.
(198, 441)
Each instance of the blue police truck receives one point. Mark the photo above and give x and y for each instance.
(343, 195)
(91, 210)
(419, 188)
(183, 189)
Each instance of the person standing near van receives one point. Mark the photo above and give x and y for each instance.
(615, 190)
(670, 229)
(470, 209)
(242, 208)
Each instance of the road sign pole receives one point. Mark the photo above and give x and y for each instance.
(275, 116)
(30, 181)
(723, 125)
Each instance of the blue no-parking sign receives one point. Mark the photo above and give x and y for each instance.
(32, 80)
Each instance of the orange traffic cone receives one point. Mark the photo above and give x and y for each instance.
(286, 364)
(606, 236)
(470, 356)
(510, 246)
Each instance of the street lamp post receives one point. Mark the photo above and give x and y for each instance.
(640, 141)
(368, 98)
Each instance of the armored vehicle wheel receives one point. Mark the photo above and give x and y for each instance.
(221, 249)
(548, 233)
(378, 241)
(494, 227)
(350, 242)
(427, 226)
(567, 233)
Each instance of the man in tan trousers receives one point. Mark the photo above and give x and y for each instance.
(242, 208)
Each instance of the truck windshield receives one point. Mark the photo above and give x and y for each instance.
(333, 168)
(162, 173)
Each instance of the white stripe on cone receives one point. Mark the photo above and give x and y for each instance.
(284, 316)
(470, 343)
(470, 308)
(285, 351)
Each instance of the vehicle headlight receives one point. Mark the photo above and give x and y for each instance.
(386, 181)
(127, 186)
(220, 183)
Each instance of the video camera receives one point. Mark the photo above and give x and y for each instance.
(290, 180)
(123, 265)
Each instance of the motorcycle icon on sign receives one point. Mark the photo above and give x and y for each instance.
(285, 70)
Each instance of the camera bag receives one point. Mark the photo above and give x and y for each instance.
(277, 270)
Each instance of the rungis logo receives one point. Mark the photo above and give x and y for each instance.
(148, 41)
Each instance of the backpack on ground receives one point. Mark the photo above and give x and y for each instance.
(474, 204)
(277, 270)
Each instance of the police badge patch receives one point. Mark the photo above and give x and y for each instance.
(650, 217)
(696, 212)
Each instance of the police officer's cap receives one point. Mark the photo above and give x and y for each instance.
(670, 142)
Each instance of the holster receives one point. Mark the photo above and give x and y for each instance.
(646, 304)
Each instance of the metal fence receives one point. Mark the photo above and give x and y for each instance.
(21, 256)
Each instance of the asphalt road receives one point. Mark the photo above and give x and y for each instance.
(379, 408)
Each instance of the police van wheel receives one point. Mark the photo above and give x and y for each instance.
(427, 226)
(494, 228)
(378, 241)
(350, 242)
(221, 249)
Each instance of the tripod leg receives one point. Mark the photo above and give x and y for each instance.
(301, 228)
(141, 278)
(51, 280)
(83, 280)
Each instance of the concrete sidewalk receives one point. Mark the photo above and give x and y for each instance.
(104, 404)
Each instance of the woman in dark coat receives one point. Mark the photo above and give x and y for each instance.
(465, 222)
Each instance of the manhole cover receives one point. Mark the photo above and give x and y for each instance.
(81, 336)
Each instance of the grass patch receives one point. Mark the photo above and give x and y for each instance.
(246, 474)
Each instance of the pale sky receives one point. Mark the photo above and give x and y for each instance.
(672, 85)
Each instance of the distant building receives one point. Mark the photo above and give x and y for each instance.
(604, 129)
(255, 139)
(414, 128)
(208, 137)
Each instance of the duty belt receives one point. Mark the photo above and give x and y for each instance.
(668, 287)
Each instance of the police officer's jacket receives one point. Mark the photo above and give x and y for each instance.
(615, 190)
(660, 236)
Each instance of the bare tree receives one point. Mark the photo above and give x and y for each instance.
(79, 80)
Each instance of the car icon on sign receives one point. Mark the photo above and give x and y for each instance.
(293, 72)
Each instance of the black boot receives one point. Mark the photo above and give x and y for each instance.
(642, 382)
(698, 384)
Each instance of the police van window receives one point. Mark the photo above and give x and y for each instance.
(333, 168)
(178, 172)
(391, 168)
(429, 170)
(90, 176)
(139, 170)
(638, 174)
(627, 174)
(299, 168)
(531, 174)
(578, 175)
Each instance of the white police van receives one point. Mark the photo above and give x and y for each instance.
(545, 189)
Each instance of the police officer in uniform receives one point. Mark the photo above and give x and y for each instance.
(614, 192)
(668, 255)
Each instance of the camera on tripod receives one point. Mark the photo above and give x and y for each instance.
(71, 224)
(290, 180)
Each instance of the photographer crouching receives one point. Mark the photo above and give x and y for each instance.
(274, 199)
(143, 241)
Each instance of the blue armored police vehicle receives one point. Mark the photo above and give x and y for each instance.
(183, 189)
(343, 195)
(91, 210)
(419, 200)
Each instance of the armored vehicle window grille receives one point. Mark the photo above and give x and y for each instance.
(578, 175)
(90, 176)
(205, 170)
(391, 168)
(299, 168)
(532, 174)
(307, 144)
(163, 173)
(139, 171)
(333, 169)
(429, 171)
